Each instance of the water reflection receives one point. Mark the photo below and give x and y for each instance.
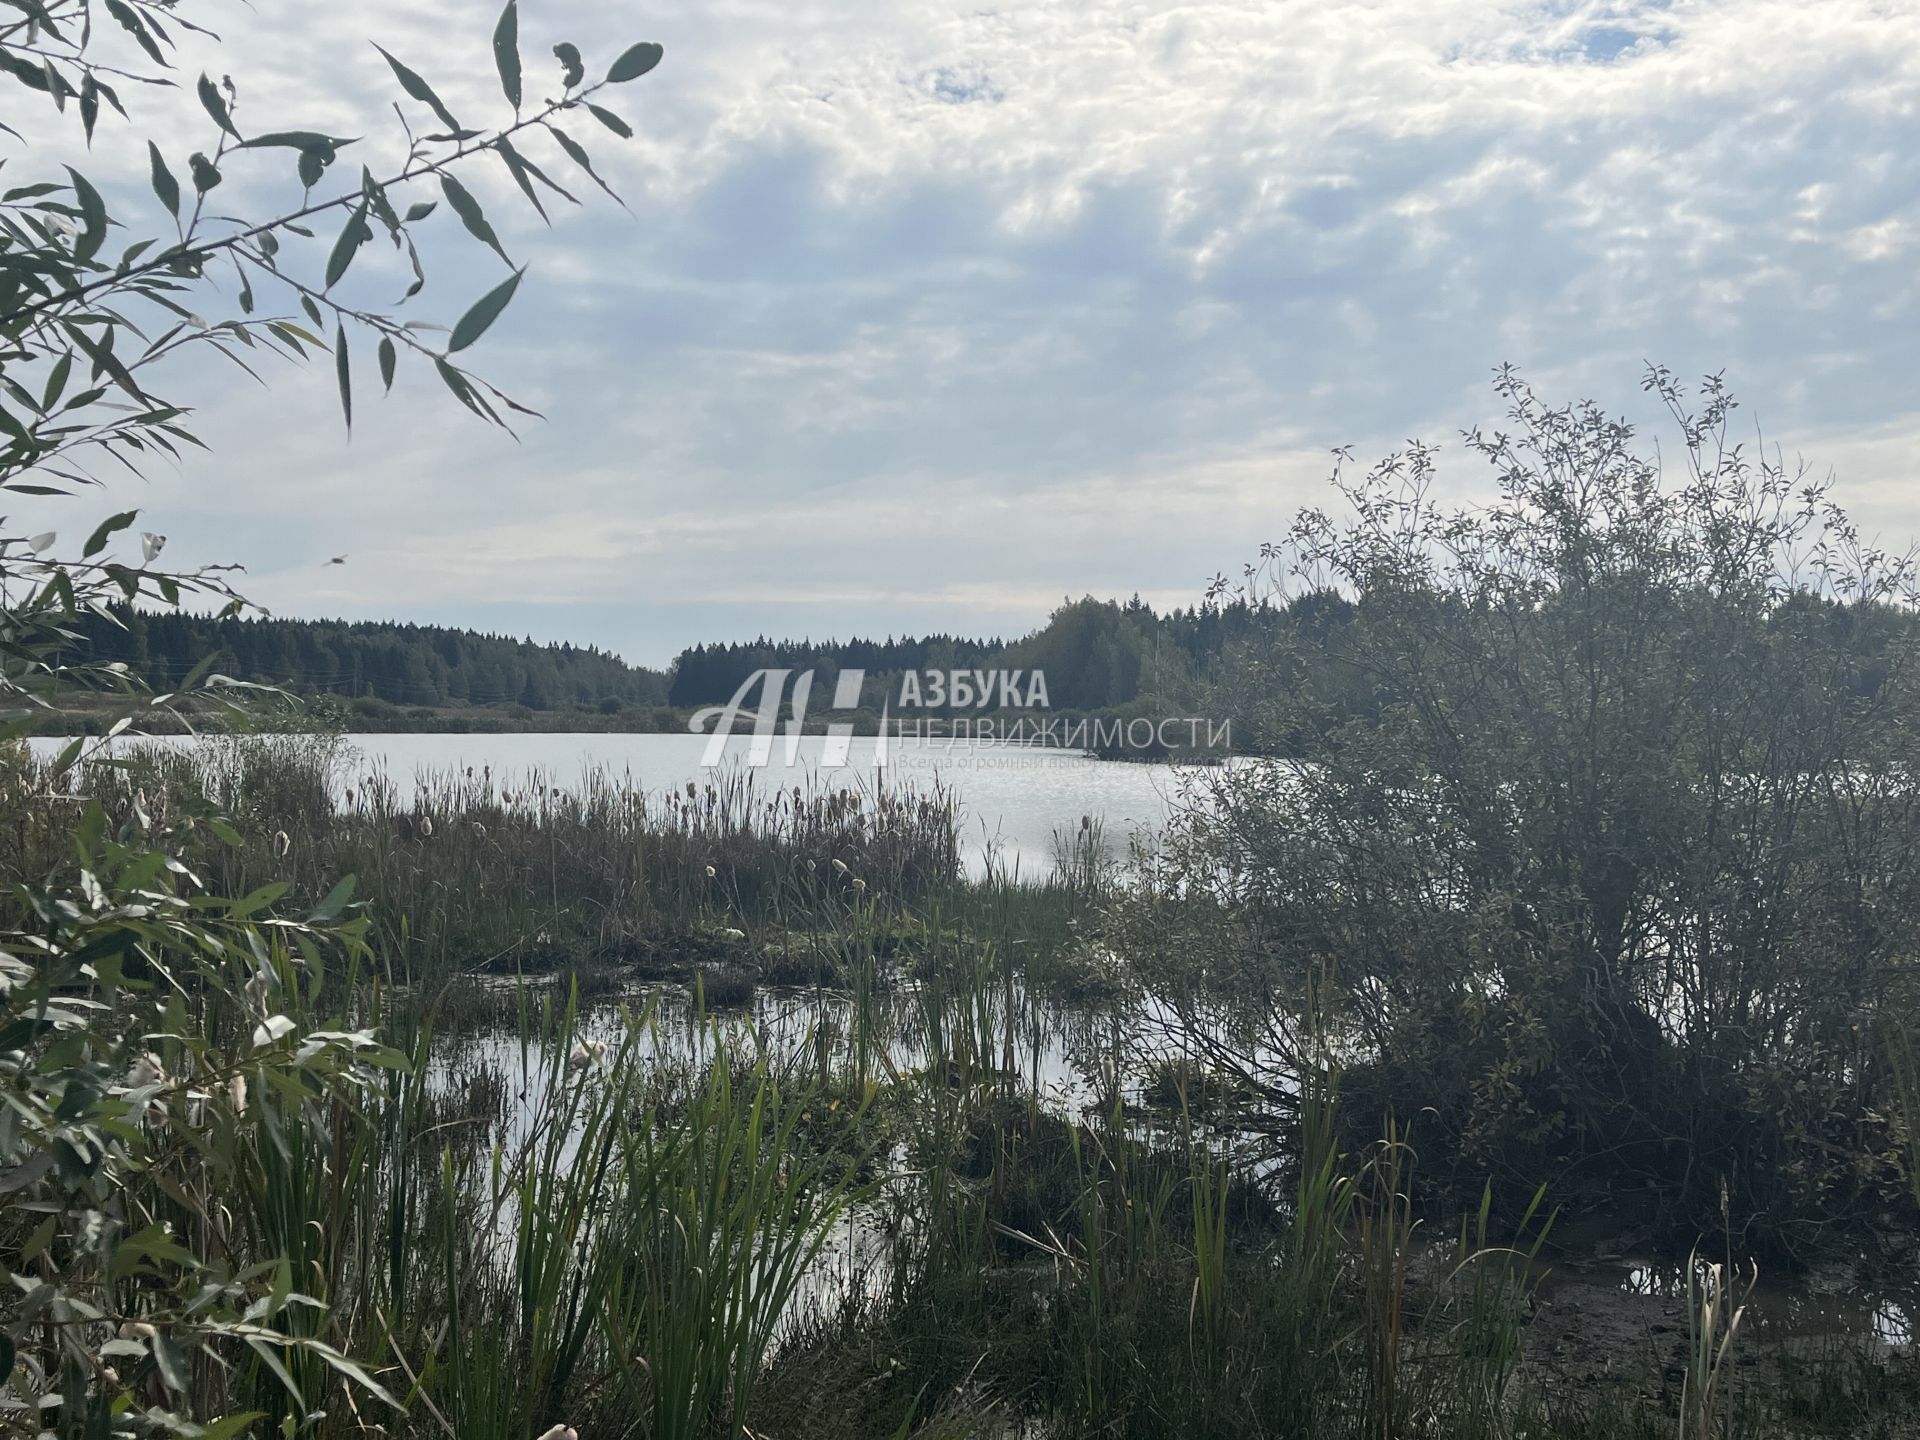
(1800, 1307)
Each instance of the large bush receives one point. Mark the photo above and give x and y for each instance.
(1596, 840)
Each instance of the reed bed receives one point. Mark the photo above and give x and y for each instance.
(459, 869)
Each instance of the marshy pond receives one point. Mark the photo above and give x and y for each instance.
(719, 1093)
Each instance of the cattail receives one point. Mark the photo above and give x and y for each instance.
(711, 872)
(859, 885)
(840, 865)
(561, 1432)
(426, 827)
(282, 843)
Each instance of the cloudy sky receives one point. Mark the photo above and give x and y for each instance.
(928, 313)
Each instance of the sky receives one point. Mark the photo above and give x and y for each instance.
(924, 316)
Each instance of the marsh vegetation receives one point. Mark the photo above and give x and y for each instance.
(751, 1114)
(1562, 921)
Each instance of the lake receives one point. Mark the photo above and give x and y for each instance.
(1013, 798)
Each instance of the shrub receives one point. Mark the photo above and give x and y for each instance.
(1603, 832)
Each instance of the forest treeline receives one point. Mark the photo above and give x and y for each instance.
(399, 664)
(1098, 656)
(1095, 655)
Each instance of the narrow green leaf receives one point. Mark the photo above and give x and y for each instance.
(420, 90)
(483, 313)
(273, 1362)
(522, 175)
(468, 209)
(612, 121)
(329, 909)
(109, 527)
(388, 359)
(419, 272)
(376, 197)
(69, 753)
(579, 156)
(457, 383)
(352, 236)
(164, 185)
(293, 140)
(636, 62)
(216, 106)
(131, 23)
(506, 51)
(58, 85)
(289, 335)
(57, 380)
(353, 1372)
(93, 215)
(341, 368)
(105, 361)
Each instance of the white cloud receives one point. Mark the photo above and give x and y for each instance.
(931, 308)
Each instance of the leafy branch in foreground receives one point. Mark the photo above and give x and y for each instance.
(164, 1051)
(159, 1047)
(84, 331)
(65, 305)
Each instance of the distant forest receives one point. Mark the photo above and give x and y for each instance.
(1099, 657)
(1097, 654)
(414, 665)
